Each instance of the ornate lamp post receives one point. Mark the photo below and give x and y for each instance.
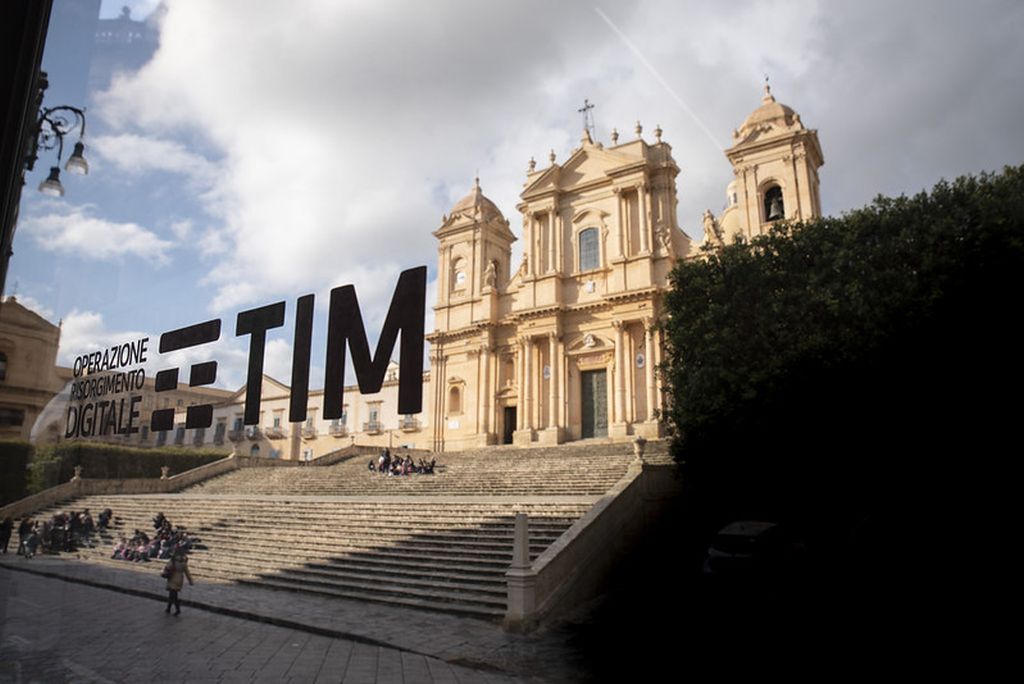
(53, 124)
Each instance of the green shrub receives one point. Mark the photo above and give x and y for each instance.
(55, 464)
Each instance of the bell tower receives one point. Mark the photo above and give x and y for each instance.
(473, 254)
(775, 161)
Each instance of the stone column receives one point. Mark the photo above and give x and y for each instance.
(552, 381)
(485, 381)
(645, 228)
(559, 238)
(620, 373)
(521, 385)
(551, 242)
(478, 387)
(649, 366)
(620, 234)
(528, 382)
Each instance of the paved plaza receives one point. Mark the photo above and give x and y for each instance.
(63, 620)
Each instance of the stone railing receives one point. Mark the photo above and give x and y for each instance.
(366, 451)
(572, 569)
(80, 486)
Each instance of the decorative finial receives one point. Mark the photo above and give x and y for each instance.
(476, 183)
(551, 156)
(533, 164)
(657, 133)
(768, 97)
(615, 136)
(639, 130)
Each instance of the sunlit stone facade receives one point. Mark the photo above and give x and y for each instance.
(563, 347)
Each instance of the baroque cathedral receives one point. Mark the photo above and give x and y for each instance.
(564, 345)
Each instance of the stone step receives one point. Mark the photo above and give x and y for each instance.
(430, 574)
(449, 593)
(494, 588)
(332, 538)
(442, 553)
(304, 551)
(459, 608)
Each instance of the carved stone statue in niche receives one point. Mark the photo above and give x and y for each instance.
(491, 273)
(712, 231)
(664, 234)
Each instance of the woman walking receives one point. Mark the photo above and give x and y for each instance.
(176, 571)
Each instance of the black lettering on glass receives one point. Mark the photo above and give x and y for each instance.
(300, 358)
(345, 325)
(256, 323)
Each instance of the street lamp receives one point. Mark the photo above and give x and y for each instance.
(51, 127)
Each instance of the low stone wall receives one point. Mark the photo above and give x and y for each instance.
(86, 487)
(574, 568)
(263, 462)
(43, 499)
(353, 450)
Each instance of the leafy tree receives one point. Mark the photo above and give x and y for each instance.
(846, 367)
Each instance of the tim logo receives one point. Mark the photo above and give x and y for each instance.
(344, 330)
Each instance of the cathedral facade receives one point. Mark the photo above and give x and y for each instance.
(564, 345)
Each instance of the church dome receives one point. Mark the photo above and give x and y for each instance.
(771, 115)
(476, 206)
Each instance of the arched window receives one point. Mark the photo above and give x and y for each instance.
(3, 366)
(774, 210)
(255, 450)
(454, 401)
(590, 249)
(459, 274)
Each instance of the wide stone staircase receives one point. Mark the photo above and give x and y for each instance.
(588, 469)
(439, 542)
(445, 555)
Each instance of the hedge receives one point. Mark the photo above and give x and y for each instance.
(55, 464)
(823, 368)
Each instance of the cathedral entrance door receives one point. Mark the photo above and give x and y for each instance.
(509, 424)
(595, 403)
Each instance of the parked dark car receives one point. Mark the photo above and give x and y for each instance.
(752, 548)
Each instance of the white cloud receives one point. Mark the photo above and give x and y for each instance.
(341, 131)
(182, 229)
(139, 154)
(84, 332)
(74, 232)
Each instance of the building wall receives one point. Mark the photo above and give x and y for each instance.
(28, 370)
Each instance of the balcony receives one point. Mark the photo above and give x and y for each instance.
(374, 427)
(338, 430)
(253, 432)
(308, 432)
(236, 435)
(275, 432)
(409, 424)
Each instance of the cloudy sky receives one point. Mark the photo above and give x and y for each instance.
(265, 150)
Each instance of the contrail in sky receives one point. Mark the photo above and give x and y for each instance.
(657, 76)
